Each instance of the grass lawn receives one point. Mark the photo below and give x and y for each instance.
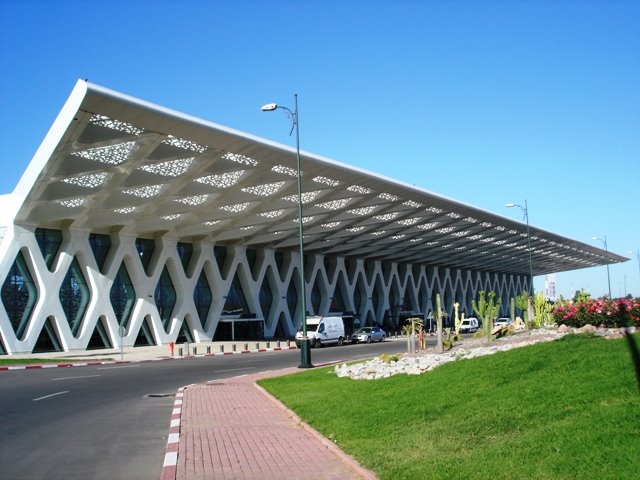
(568, 409)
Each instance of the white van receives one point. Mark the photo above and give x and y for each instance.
(323, 331)
(469, 325)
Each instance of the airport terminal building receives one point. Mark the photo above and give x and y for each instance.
(138, 225)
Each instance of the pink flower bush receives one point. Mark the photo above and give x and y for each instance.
(620, 312)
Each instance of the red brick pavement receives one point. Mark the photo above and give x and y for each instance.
(232, 429)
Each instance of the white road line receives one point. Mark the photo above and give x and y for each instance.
(118, 366)
(73, 378)
(234, 369)
(49, 396)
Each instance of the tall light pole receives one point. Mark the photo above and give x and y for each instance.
(637, 254)
(525, 209)
(604, 241)
(305, 350)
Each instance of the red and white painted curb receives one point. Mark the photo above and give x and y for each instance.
(112, 362)
(170, 464)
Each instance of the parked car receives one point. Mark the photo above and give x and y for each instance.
(368, 334)
(502, 322)
(322, 331)
(469, 325)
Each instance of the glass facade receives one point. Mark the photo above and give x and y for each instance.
(19, 295)
(265, 302)
(235, 303)
(47, 339)
(100, 337)
(316, 296)
(145, 248)
(122, 296)
(265, 297)
(337, 301)
(220, 253)
(185, 252)
(251, 258)
(292, 300)
(165, 297)
(203, 298)
(100, 245)
(74, 296)
(49, 242)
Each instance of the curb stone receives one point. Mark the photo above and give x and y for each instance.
(117, 362)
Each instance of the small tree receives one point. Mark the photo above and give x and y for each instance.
(487, 310)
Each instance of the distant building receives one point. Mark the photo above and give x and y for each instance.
(137, 224)
(550, 287)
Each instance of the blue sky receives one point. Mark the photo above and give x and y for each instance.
(485, 102)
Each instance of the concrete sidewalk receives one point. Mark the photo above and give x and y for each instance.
(233, 429)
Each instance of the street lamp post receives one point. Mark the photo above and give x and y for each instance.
(305, 350)
(525, 209)
(604, 241)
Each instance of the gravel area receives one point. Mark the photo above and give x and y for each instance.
(427, 360)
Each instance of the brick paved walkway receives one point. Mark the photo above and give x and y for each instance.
(232, 429)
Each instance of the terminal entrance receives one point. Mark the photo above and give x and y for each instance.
(239, 329)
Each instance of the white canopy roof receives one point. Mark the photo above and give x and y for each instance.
(113, 161)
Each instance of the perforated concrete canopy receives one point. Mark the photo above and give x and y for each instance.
(111, 161)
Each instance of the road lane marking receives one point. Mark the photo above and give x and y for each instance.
(235, 369)
(49, 396)
(73, 378)
(119, 366)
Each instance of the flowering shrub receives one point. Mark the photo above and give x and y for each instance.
(620, 312)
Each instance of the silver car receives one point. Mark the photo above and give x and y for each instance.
(502, 322)
(368, 334)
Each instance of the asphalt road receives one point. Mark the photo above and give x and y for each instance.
(111, 421)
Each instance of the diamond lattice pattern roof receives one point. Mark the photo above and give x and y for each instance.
(113, 161)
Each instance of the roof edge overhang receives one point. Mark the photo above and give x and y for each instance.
(90, 98)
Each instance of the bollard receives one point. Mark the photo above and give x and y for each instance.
(278, 344)
(179, 351)
(186, 348)
(288, 343)
(195, 350)
(208, 349)
(221, 348)
(246, 346)
(257, 345)
(268, 344)
(233, 347)
(171, 345)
